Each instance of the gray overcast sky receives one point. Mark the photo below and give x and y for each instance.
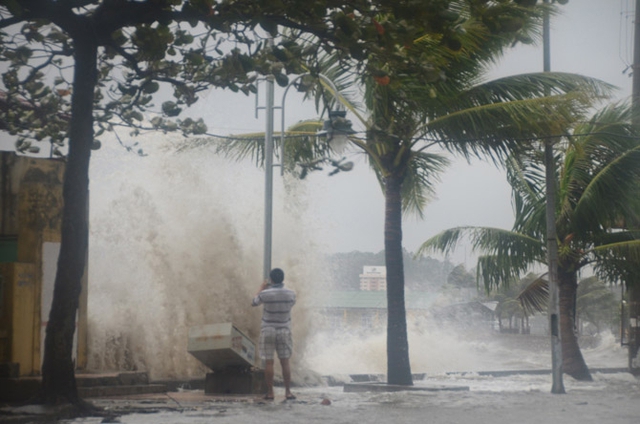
(590, 37)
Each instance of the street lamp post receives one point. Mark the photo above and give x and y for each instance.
(268, 178)
(268, 151)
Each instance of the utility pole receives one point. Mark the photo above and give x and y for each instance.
(268, 174)
(634, 290)
(552, 244)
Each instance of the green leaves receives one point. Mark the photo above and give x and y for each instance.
(150, 87)
(152, 42)
(422, 175)
(171, 109)
(193, 127)
(19, 56)
(282, 79)
(193, 45)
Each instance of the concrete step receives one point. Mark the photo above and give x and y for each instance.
(384, 387)
(89, 385)
(126, 378)
(122, 390)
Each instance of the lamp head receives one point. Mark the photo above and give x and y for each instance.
(336, 129)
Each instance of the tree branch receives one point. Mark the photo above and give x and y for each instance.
(144, 73)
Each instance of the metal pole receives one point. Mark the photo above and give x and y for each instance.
(635, 88)
(552, 245)
(634, 290)
(268, 175)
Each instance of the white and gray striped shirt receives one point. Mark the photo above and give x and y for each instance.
(277, 302)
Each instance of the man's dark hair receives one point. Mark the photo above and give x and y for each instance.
(276, 276)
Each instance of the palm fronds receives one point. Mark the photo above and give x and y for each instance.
(444, 242)
(527, 86)
(534, 297)
(423, 172)
(496, 129)
(507, 254)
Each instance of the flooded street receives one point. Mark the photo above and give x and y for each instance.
(610, 398)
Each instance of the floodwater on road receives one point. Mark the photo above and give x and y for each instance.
(610, 398)
(522, 398)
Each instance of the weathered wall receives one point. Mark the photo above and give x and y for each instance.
(31, 212)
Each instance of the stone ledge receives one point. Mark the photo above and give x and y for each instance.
(384, 387)
(124, 378)
(123, 390)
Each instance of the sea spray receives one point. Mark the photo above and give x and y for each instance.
(176, 241)
(436, 349)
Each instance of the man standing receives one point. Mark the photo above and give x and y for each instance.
(275, 332)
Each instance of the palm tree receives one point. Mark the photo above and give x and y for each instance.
(407, 130)
(411, 119)
(598, 177)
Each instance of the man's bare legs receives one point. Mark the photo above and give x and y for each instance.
(268, 378)
(286, 376)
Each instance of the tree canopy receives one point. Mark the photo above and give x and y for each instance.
(597, 172)
(179, 48)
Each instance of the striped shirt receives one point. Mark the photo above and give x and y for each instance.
(277, 302)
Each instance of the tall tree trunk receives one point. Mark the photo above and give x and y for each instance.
(572, 361)
(398, 367)
(551, 232)
(557, 386)
(58, 378)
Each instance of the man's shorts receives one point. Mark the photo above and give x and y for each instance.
(275, 339)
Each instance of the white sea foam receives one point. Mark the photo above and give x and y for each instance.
(438, 350)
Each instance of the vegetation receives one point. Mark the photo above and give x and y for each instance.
(598, 177)
(78, 68)
(461, 278)
(418, 61)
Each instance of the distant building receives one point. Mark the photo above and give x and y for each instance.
(373, 278)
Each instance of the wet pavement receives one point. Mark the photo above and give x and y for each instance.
(610, 398)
